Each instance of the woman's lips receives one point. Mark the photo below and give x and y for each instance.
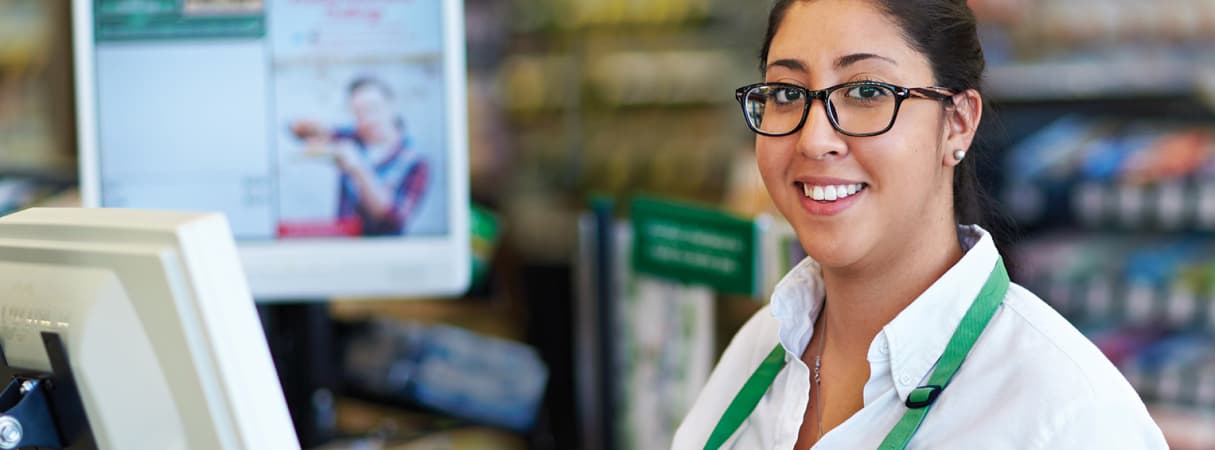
(831, 197)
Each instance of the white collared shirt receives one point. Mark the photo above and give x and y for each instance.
(1031, 381)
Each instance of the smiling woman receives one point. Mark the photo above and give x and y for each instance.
(864, 120)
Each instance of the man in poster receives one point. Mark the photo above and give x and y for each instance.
(383, 179)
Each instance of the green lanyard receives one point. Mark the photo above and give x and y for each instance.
(918, 402)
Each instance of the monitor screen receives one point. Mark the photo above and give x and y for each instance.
(332, 133)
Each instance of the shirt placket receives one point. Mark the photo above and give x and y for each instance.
(796, 393)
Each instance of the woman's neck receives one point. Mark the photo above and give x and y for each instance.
(864, 299)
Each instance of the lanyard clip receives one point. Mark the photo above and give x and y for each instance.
(923, 396)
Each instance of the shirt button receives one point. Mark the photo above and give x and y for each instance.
(883, 349)
(905, 380)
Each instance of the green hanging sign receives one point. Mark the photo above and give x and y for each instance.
(694, 245)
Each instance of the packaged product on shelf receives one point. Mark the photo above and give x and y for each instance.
(1147, 281)
(18, 193)
(1105, 174)
(478, 378)
(665, 355)
(661, 334)
(15, 193)
(35, 79)
(536, 15)
(1168, 370)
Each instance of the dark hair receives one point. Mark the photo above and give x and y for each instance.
(944, 31)
(369, 81)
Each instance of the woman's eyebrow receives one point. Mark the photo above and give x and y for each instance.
(791, 64)
(840, 63)
(847, 60)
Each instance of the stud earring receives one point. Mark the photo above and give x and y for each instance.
(959, 154)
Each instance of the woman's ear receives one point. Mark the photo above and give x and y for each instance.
(961, 122)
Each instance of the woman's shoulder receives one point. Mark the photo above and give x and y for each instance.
(1035, 355)
(1044, 345)
(1047, 352)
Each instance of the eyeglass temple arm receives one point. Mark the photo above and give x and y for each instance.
(933, 93)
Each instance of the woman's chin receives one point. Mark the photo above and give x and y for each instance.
(833, 251)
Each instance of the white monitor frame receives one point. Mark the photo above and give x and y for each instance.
(159, 327)
(318, 269)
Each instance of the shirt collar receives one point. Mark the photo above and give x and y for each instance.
(917, 336)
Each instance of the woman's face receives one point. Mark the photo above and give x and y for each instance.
(905, 174)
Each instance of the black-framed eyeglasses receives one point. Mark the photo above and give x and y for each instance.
(858, 109)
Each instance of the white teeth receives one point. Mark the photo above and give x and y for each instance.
(831, 193)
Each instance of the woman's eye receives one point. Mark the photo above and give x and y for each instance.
(865, 92)
(787, 95)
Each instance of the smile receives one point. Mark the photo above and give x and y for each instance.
(832, 193)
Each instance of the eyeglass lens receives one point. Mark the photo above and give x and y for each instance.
(859, 109)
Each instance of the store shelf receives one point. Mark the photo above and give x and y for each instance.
(1176, 370)
(1122, 78)
(1109, 299)
(1164, 281)
(1180, 205)
(1148, 174)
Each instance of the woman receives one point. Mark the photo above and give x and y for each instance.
(901, 330)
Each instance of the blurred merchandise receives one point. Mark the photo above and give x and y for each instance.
(536, 15)
(647, 343)
(665, 355)
(486, 234)
(610, 97)
(1105, 126)
(16, 193)
(489, 155)
(1056, 25)
(1176, 370)
(1115, 174)
(1044, 49)
(653, 290)
(379, 427)
(779, 250)
(746, 194)
(1170, 370)
(463, 439)
(1156, 281)
(36, 117)
(20, 192)
(483, 379)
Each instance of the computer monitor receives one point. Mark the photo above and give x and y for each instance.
(333, 134)
(156, 320)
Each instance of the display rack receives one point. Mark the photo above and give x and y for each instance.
(1103, 157)
(649, 290)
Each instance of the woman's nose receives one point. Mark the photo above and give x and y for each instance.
(818, 139)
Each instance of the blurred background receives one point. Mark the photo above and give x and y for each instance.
(1100, 148)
